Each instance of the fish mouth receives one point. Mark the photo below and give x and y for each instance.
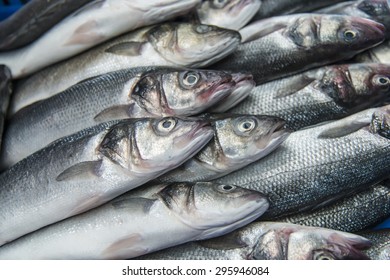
(218, 92)
(374, 32)
(198, 137)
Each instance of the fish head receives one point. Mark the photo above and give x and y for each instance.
(357, 86)
(154, 145)
(351, 34)
(242, 139)
(380, 122)
(193, 45)
(378, 10)
(244, 85)
(192, 91)
(211, 208)
(231, 14)
(292, 242)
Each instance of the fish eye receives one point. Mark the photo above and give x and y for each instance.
(219, 4)
(247, 125)
(166, 125)
(190, 79)
(226, 188)
(381, 80)
(203, 28)
(350, 35)
(323, 256)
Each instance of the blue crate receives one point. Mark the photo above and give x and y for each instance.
(385, 224)
(8, 7)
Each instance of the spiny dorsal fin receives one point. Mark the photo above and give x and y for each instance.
(83, 171)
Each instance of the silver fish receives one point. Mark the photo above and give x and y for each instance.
(271, 8)
(281, 46)
(33, 20)
(351, 214)
(89, 168)
(378, 10)
(5, 95)
(318, 165)
(231, 14)
(168, 44)
(380, 250)
(238, 141)
(323, 94)
(131, 93)
(89, 26)
(272, 241)
(379, 54)
(132, 224)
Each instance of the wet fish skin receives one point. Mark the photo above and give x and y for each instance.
(351, 214)
(379, 54)
(233, 14)
(316, 166)
(131, 93)
(169, 44)
(281, 46)
(270, 8)
(87, 27)
(378, 10)
(272, 241)
(380, 250)
(86, 169)
(5, 95)
(238, 141)
(323, 94)
(33, 20)
(132, 224)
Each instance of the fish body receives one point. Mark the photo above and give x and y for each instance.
(238, 141)
(131, 93)
(34, 19)
(168, 44)
(351, 214)
(132, 224)
(5, 95)
(323, 94)
(91, 167)
(233, 14)
(378, 10)
(318, 165)
(93, 24)
(379, 54)
(281, 46)
(271, 241)
(380, 250)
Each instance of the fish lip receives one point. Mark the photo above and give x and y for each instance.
(376, 27)
(219, 91)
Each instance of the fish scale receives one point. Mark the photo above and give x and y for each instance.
(307, 170)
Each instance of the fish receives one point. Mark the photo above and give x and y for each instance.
(132, 224)
(89, 26)
(280, 46)
(318, 165)
(131, 93)
(5, 95)
(233, 14)
(168, 44)
(271, 241)
(323, 94)
(271, 8)
(380, 250)
(351, 214)
(379, 54)
(33, 20)
(84, 170)
(238, 141)
(377, 10)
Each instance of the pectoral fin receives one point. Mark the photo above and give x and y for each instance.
(293, 86)
(126, 48)
(114, 113)
(342, 130)
(81, 171)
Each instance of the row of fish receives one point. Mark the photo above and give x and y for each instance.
(85, 194)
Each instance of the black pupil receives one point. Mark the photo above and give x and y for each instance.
(383, 80)
(246, 125)
(167, 124)
(227, 188)
(191, 79)
(349, 34)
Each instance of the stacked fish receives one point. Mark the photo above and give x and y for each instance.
(181, 130)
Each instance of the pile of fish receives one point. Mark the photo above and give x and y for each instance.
(166, 129)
